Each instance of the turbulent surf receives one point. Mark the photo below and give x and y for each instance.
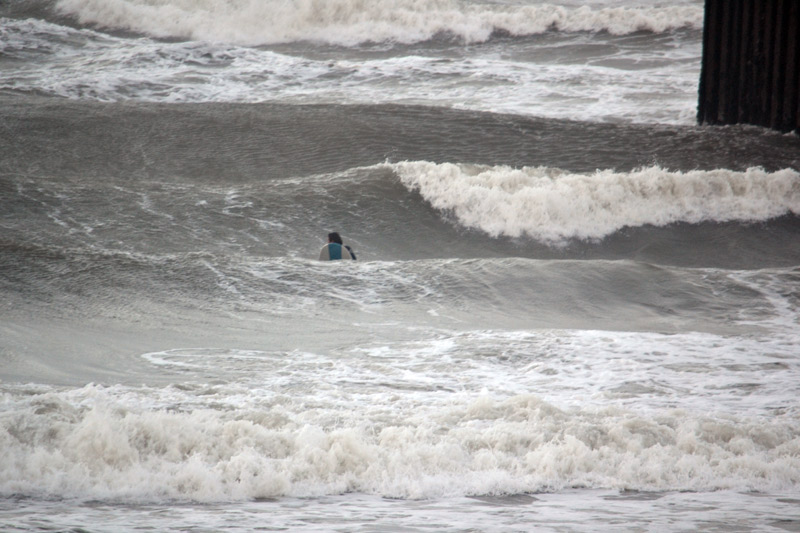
(570, 301)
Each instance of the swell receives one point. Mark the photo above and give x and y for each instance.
(240, 143)
(399, 182)
(724, 220)
(148, 288)
(351, 22)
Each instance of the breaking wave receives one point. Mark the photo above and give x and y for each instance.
(553, 205)
(90, 444)
(350, 22)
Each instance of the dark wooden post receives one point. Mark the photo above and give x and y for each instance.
(751, 64)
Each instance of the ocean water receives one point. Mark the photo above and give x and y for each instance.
(573, 308)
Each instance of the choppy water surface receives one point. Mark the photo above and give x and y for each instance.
(573, 309)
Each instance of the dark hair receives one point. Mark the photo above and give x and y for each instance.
(335, 237)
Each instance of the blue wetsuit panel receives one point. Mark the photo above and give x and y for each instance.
(335, 250)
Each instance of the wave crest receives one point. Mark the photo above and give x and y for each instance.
(349, 22)
(553, 206)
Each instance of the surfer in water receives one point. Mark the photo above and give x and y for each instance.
(336, 249)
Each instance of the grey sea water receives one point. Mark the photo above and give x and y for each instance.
(573, 308)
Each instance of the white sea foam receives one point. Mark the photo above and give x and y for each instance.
(553, 205)
(644, 85)
(105, 446)
(349, 22)
(466, 413)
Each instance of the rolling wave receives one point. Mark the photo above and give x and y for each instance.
(485, 290)
(423, 210)
(350, 22)
(553, 206)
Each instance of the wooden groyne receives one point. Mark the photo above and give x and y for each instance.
(751, 64)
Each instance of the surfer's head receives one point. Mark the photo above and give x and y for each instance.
(334, 237)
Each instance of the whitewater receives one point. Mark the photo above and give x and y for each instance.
(361, 52)
(573, 308)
